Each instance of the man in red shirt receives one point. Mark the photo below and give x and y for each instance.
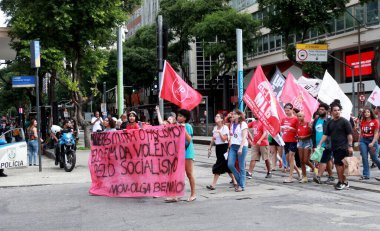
(258, 138)
(289, 132)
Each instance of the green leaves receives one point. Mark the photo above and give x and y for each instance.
(221, 26)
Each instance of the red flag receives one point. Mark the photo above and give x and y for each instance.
(260, 98)
(175, 90)
(299, 97)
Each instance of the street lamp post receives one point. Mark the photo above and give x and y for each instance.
(360, 88)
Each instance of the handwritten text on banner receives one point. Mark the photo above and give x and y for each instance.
(138, 163)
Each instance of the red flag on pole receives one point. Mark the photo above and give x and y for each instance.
(299, 97)
(260, 98)
(177, 91)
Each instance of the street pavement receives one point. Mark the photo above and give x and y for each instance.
(56, 200)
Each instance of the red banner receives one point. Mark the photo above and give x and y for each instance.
(138, 162)
(299, 97)
(177, 91)
(260, 98)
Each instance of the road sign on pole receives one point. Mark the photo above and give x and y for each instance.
(311, 52)
(23, 81)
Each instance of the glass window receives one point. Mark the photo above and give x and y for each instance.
(278, 42)
(349, 19)
(313, 33)
(260, 45)
(265, 43)
(291, 39)
(359, 13)
(331, 27)
(272, 46)
(340, 24)
(373, 12)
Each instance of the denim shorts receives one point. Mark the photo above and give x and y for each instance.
(307, 143)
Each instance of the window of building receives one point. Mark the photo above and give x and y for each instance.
(373, 13)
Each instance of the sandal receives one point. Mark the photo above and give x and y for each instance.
(171, 200)
(238, 189)
(364, 178)
(191, 199)
(210, 187)
(288, 181)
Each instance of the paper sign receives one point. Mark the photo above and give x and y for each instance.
(138, 162)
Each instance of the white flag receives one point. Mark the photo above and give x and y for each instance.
(374, 98)
(330, 90)
(311, 85)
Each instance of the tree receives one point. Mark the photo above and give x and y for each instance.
(221, 27)
(77, 28)
(180, 16)
(295, 18)
(139, 59)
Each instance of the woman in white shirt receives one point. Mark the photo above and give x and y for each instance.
(238, 148)
(220, 138)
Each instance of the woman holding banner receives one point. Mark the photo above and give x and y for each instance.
(132, 121)
(109, 124)
(220, 138)
(238, 148)
(183, 119)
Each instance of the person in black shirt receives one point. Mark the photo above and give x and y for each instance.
(340, 132)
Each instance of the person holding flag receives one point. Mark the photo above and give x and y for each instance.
(259, 146)
(289, 131)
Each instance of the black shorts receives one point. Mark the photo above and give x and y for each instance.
(326, 156)
(339, 155)
(274, 142)
(290, 146)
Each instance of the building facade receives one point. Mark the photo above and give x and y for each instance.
(345, 41)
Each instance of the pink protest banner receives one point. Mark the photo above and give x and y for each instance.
(139, 162)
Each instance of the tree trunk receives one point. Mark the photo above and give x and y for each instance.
(78, 106)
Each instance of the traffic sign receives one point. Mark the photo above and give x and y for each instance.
(362, 98)
(23, 81)
(311, 52)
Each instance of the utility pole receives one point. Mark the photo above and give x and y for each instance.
(160, 59)
(36, 63)
(120, 83)
(239, 45)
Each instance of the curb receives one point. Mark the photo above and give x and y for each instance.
(49, 153)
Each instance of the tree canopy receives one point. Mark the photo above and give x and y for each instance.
(77, 28)
(180, 16)
(217, 31)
